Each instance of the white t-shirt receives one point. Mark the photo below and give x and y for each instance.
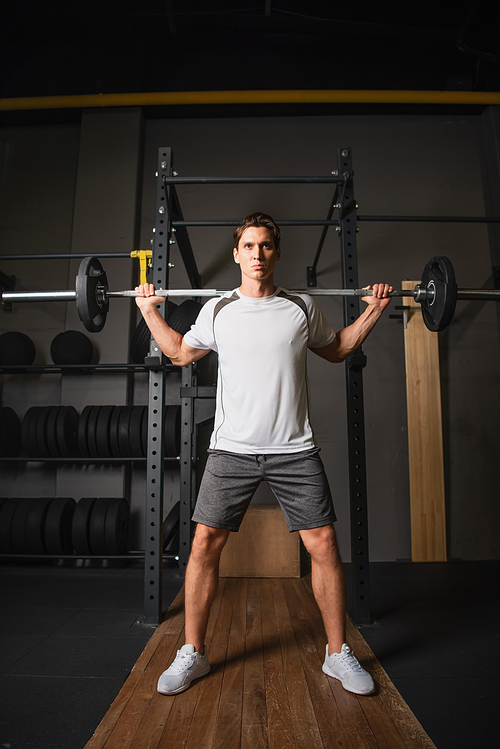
(262, 388)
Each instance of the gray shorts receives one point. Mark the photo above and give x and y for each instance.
(297, 480)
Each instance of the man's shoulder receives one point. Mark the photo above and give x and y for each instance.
(223, 301)
(301, 299)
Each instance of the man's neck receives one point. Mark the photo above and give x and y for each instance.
(253, 288)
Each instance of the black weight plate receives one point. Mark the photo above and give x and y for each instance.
(83, 424)
(80, 529)
(117, 518)
(16, 348)
(34, 451)
(123, 431)
(25, 426)
(91, 310)
(102, 432)
(7, 511)
(10, 433)
(439, 277)
(18, 528)
(41, 432)
(67, 431)
(28, 431)
(98, 526)
(51, 432)
(35, 526)
(171, 525)
(139, 345)
(172, 431)
(135, 436)
(71, 347)
(92, 431)
(58, 526)
(184, 316)
(113, 432)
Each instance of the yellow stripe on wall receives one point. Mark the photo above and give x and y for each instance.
(172, 98)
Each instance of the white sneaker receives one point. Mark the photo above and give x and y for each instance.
(345, 667)
(187, 666)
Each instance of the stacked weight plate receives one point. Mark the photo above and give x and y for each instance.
(99, 432)
(122, 431)
(62, 526)
(50, 432)
(36, 525)
(100, 526)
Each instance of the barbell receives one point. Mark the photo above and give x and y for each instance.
(437, 294)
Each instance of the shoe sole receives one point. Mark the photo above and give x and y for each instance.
(327, 671)
(185, 686)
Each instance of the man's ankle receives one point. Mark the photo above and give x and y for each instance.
(335, 646)
(196, 646)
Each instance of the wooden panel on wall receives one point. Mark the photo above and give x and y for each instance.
(263, 547)
(425, 438)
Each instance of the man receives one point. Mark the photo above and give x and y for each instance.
(262, 432)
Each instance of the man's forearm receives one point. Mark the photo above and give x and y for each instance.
(351, 338)
(168, 339)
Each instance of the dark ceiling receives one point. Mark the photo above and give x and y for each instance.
(53, 47)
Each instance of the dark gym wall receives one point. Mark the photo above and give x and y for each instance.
(403, 165)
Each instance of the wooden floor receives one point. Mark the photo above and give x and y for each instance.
(266, 688)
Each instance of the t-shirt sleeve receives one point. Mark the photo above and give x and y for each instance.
(201, 334)
(320, 331)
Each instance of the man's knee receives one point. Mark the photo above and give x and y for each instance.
(208, 542)
(321, 543)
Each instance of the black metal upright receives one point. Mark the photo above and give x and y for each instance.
(355, 405)
(187, 469)
(153, 546)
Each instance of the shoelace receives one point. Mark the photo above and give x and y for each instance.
(181, 663)
(350, 661)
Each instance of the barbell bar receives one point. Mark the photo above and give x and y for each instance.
(437, 294)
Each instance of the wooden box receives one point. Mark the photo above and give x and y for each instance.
(263, 547)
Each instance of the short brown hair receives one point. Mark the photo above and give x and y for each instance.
(257, 220)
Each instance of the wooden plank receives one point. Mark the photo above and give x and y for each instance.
(176, 729)
(228, 730)
(254, 715)
(425, 438)
(279, 717)
(263, 547)
(304, 721)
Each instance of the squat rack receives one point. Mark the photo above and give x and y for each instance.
(171, 227)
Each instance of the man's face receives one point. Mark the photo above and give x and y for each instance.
(256, 253)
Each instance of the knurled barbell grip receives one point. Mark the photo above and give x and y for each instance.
(218, 292)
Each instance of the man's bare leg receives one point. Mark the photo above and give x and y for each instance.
(328, 582)
(201, 581)
(329, 591)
